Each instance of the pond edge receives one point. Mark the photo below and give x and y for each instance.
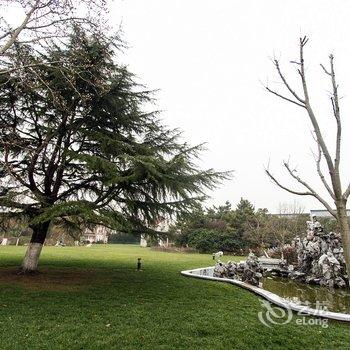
(273, 298)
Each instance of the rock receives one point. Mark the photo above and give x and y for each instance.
(217, 255)
(231, 268)
(320, 257)
(220, 270)
(249, 271)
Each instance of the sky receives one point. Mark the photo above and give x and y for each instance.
(210, 61)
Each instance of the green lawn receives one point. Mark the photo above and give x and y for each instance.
(92, 298)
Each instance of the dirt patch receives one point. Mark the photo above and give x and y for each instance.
(52, 279)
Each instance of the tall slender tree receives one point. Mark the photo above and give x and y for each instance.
(79, 144)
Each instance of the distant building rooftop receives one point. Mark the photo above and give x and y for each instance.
(323, 213)
(320, 213)
(289, 215)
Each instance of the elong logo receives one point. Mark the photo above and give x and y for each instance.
(275, 315)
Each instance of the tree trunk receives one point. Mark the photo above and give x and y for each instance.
(31, 259)
(345, 234)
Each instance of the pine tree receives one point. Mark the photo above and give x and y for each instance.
(77, 145)
(244, 212)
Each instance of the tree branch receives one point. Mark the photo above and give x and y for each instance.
(336, 111)
(10, 70)
(319, 171)
(318, 133)
(284, 80)
(307, 186)
(286, 188)
(284, 98)
(18, 30)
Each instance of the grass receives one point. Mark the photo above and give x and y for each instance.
(92, 298)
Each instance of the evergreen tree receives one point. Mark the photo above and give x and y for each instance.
(244, 212)
(77, 145)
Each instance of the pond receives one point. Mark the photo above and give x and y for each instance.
(315, 297)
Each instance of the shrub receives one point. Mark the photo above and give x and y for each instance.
(209, 241)
(126, 238)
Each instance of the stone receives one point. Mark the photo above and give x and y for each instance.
(249, 271)
(217, 255)
(220, 270)
(231, 268)
(320, 257)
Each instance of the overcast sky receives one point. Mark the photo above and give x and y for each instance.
(209, 59)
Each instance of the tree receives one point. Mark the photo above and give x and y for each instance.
(257, 230)
(43, 21)
(335, 189)
(13, 225)
(186, 223)
(209, 240)
(289, 223)
(238, 222)
(78, 144)
(206, 230)
(216, 228)
(72, 227)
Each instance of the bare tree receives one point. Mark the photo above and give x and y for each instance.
(45, 23)
(257, 230)
(334, 189)
(289, 222)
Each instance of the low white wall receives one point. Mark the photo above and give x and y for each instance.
(273, 298)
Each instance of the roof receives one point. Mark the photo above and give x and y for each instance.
(323, 213)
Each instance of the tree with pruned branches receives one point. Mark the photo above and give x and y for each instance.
(332, 183)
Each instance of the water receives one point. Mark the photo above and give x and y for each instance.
(316, 297)
(203, 272)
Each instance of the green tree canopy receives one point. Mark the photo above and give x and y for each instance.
(244, 212)
(77, 142)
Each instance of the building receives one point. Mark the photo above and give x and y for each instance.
(319, 213)
(323, 213)
(98, 234)
(289, 215)
(162, 226)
